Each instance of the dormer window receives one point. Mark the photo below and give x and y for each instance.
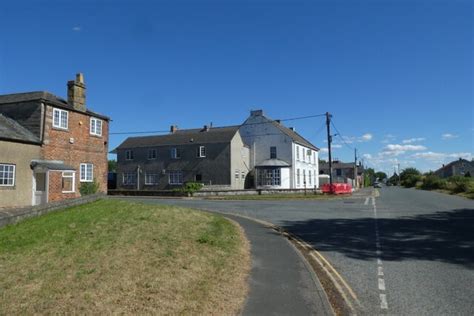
(96, 127)
(60, 118)
(202, 151)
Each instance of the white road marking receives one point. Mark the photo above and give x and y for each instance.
(383, 301)
(378, 251)
(366, 201)
(381, 284)
(380, 271)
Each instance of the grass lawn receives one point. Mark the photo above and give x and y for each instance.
(298, 196)
(113, 256)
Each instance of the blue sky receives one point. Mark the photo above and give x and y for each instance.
(396, 75)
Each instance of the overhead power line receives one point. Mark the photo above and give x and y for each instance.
(256, 123)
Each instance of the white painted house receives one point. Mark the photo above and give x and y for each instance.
(279, 156)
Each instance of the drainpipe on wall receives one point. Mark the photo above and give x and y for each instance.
(138, 178)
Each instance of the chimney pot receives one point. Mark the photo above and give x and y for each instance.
(173, 128)
(292, 128)
(278, 121)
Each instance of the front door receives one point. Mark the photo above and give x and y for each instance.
(40, 189)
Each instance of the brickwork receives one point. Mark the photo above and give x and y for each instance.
(55, 188)
(75, 146)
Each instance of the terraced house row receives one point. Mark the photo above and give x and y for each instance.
(50, 147)
(261, 153)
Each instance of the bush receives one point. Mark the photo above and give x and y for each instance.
(411, 180)
(189, 188)
(87, 188)
(433, 182)
(459, 184)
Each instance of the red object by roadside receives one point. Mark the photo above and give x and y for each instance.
(337, 188)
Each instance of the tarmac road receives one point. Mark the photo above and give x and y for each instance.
(403, 251)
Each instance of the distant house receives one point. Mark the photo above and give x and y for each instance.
(280, 158)
(49, 147)
(460, 167)
(214, 156)
(343, 172)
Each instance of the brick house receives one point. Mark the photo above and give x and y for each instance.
(49, 146)
(343, 172)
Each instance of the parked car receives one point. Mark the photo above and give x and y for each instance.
(377, 185)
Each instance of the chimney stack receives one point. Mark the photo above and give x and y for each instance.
(206, 128)
(173, 128)
(76, 93)
(256, 113)
(278, 121)
(293, 129)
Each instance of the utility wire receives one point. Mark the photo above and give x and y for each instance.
(256, 123)
(341, 136)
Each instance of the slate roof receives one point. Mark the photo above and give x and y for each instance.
(51, 165)
(11, 130)
(183, 137)
(297, 138)
(273, 163)
(44, 96)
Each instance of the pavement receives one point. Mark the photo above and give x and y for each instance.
(402, 251)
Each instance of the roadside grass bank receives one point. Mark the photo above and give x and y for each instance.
(255, 197)
(457, 185)
(114, 256)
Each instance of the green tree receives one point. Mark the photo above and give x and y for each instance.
(409, 177)
(381, 175)
(112, 165)
(369, 177)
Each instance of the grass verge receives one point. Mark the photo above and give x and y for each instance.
(112, 256)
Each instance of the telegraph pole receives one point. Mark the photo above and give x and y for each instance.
(328, 124)
(355, 168)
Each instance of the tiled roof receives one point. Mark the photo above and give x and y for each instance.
(46, 96)
(11, 130)
(183, 137)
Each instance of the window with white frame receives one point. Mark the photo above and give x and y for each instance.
(87, 172)
(129, 155)
(304, 177)
(129, 178)
(7, 175)
(269, 176)
(175, 153)
(298, 177)
(314, 157)
(302, 154)
(310, 178)
(151, 178)
(308, 153)
(297, 152)
(68, 183)
(176, 177)
(60, 118)
(151, 154)
(202, 151)
(96, 127)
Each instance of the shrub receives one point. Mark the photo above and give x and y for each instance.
(458, 184)
(433, 182)
(87, 188)
(189, 188)
(411, 180)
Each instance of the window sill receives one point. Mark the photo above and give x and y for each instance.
(7, 187)
(62, 129)
(95, 135)
(86, 181)
(68, 192)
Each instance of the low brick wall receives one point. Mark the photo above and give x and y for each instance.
(15, 215)
(204, 193)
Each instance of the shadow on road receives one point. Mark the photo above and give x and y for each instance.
(443, 236)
